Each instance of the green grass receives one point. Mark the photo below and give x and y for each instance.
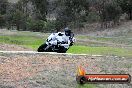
(27, 41)
(83, 37)
(119, 40)
(94, 38)
(86, 86)
(100, 50)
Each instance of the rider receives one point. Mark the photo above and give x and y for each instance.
(69, 36)
(67, 31)
(66, 37)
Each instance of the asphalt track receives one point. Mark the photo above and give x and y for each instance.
(50, 53)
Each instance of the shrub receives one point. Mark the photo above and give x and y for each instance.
(40, 25)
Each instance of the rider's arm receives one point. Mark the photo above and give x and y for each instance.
(67, 42)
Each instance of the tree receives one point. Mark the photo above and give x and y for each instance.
(3, 6)
(41, 8)
(71, 11)
(108, 10)
(3, 9)
(126, 6)
(15, 17)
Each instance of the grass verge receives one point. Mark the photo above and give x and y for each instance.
(86, 86)
(100, 50)
(26, 41)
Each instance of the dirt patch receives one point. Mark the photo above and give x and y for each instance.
(56, 71)
(11, 47)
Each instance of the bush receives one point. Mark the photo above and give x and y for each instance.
(40, 26)
(2, 21)
(93, 17)
(50, 26)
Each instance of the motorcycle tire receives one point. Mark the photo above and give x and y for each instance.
(62, 49)
(42, 48)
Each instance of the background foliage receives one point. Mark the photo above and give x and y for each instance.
(50, 15)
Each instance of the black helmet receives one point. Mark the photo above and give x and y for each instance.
(67, 31)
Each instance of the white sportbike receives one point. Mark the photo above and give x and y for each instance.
(57, 42)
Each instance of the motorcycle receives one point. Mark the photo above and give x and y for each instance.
(57, 42)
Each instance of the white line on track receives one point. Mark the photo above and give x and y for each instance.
(35, 52)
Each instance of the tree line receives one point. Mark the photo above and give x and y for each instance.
(50, 15)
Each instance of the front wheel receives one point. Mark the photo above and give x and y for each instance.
(42, 48)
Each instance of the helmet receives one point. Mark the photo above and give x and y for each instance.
(67, 31)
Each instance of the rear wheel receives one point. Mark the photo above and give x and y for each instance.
(42, 48)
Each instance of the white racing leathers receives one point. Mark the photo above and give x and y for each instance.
(58, 42)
